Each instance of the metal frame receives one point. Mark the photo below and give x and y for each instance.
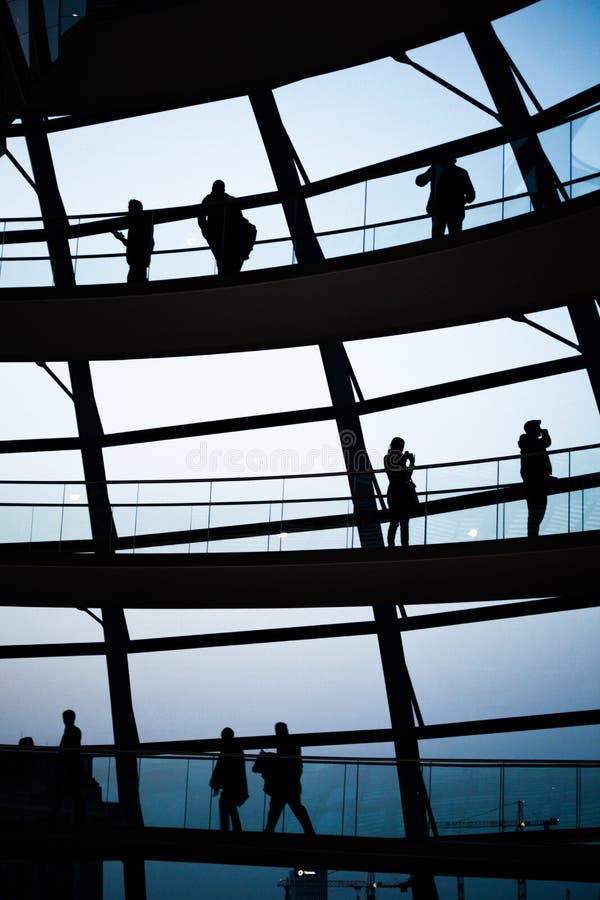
(499, 72)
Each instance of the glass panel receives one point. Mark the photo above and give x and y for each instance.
(342, 796)
(465, 799)
(537, 795)
(556, 145)
(589, 804)
(585, 141)
(163, 785)
(379, 808)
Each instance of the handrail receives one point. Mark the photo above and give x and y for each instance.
(101, 750)
(337, 474)
(286, 238)
(558, 114)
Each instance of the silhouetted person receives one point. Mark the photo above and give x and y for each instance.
(285, 786)
(229, 777)
(229, 235)
(402, 494)
(22, 763)
(536, 471)
(139, 242)
(451, 188)
(68, 770)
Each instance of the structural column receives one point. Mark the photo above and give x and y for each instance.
(338, 373)
(540, 178)
(116, 635)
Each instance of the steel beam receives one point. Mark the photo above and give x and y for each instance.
(427, 394)
(490, 613)
(339, 379)
(539, 176)
(103, 531)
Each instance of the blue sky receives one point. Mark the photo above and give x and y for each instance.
(337, 122)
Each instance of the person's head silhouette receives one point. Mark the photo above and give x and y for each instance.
(227, 734)
(218, 187)
(26, 741)
(397, 443)
(69, 717)
(135, 206)
(281, 729)
(532, 427)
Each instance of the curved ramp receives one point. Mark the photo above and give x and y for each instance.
(540, 855)
(529, 263)
(491, 570)
(134, 58)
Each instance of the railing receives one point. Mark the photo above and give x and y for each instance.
(371, 205)
(350, 797)
(464, 501)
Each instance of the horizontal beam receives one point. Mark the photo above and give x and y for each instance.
(303, 416)
(303, 632)
(503, 725)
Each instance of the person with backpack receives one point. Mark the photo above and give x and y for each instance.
(227, 232)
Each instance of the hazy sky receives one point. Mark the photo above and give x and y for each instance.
(337, 122)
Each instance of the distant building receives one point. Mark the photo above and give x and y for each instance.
(308, 884)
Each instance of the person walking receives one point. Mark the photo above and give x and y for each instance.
(285, 786)
(229, 778)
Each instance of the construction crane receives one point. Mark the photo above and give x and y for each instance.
(519, 825)
(369, 886)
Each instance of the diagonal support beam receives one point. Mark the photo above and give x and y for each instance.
(4, 151)
(338, 373)
(403, 58)
(89, 426)
(538, 174)
(548, 331)
(55, 378)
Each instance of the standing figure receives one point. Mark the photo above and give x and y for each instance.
(451, 188)
(402, 493)
(229, 777)
(284, 781)
(139, 242)
(229, 235)
(536, 470)
(68, 779)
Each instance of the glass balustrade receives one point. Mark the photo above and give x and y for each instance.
(366, 216)
(348, 797)
(477, 500)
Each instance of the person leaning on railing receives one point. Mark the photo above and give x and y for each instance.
(139, 242)
(536, 472)
(451, 189)
(227, 232)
